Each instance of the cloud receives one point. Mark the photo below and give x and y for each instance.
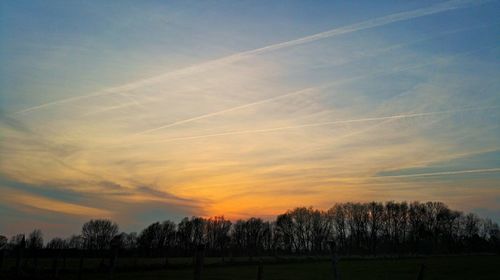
(155, 194)
(310, 120)
(52, 205)
(482, 161)
(372, 23)
(276, 129)
(300, 92)
(456, 172)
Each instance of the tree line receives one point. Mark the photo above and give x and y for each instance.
(374, 228)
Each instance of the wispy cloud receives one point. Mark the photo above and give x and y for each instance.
(325, 117)
(307, 91)
(276, 129)
(52, 205)
(347, 60)
(438, 8)
(458, 172)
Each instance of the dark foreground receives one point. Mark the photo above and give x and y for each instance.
(446, 267)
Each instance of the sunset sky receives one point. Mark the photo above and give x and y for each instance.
(141, 111)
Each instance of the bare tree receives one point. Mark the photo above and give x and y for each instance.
(75, 242)
(339, 217)
(97, 234)
(218, 230)
(130, 241)
(390, 228)
(157, 236)
(57, 243)
(284, 232)
(199, 230)
(254, 231)
(35, 240)
(3, 241)
(239, 235)
(302, 225)
(17, 240)
(185, 235)
(375, 215)
(321, 230)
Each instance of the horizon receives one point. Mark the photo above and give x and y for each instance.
(272, 220)
(149, 111)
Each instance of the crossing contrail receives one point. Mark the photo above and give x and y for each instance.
(204, 116)
(373, 53)
(485, 170)
(282, 96)
(372, 23)
(361, 120)
(301, 91)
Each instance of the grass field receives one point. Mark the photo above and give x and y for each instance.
(454, 267)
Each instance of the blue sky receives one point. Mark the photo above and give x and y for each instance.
(142, 111)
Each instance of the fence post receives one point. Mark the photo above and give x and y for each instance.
(112, 261)
(333, 250)
(2, 256)
(80, 265)
(136, 256)
(165, 255)
(63, 253)
(231, 255)
(55, 265)
(421, 272)
(260, 270)
(19, 257)
(35, 261)
(200, 254)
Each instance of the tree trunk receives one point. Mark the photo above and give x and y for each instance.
(199, 255)
(260, 271)
(333, 250)
(19, 260)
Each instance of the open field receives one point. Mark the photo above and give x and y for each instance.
(442, 267)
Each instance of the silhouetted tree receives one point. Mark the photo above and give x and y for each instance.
(191, 233)
(267, 236)
(339, 217)
(284, 233)
(184, 235)
(199, 230)
(97, 234)
(360, 228)
(130, 241)
(75, 242)
(3, 241)
(17, 240)
(358, 225)
(218, 230)
(254, 233)
(321, 226)
(157, 237)
(302, 228)
(375, 216)
(239, 235)
(57, 243)
(35, 240)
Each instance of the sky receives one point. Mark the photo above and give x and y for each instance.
(141, 111)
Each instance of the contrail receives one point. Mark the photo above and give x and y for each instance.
(267, 100)
(275, 129)
(485, 170)
(132, 102)
(372, 23)
(298, 92)
(378, 51)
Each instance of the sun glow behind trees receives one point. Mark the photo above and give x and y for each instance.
(243, 109)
